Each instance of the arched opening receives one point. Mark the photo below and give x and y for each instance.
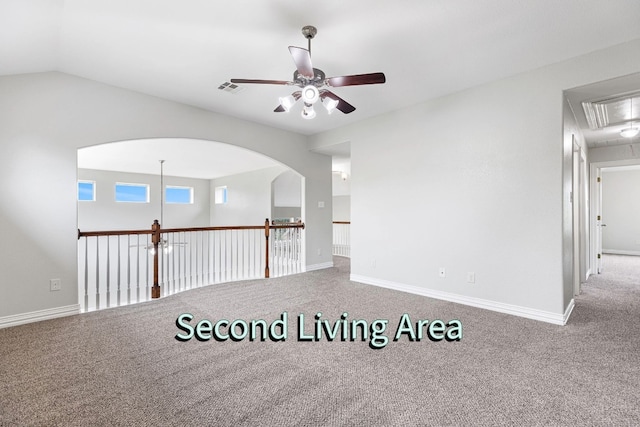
(213, 197)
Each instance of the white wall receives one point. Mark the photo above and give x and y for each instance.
(249, 198)
(286, 196)
(106, 214)
(342, 208)
(621, 211)
(340, 186)
(488, 195)
(614, 153)
(46, 117)
(286, 189)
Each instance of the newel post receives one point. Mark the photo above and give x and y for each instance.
(155, 239)
(266, 235)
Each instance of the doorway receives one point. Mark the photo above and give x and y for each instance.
(598, 222)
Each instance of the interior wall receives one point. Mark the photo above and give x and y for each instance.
(249, 198)
(490, 197)
(106, 214)
(286, 189)
(46, 117)
(286, 196)
(614, 153)
(341, 187)
(342, 208)
(621, 211)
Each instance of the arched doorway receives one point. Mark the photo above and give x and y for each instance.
(214, 196)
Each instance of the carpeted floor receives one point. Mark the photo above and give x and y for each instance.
(124, 367)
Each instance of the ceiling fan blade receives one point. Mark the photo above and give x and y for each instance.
(357, 79)
(264, 82)
(343, 105)
(296, 95)
(302, 59)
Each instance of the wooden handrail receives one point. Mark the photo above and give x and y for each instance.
(186, 229)
(111, 233)
(342, 222)
(156, 232)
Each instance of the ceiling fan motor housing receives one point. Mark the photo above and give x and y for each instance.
(302, 81)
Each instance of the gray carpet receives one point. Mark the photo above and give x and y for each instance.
(123, 366)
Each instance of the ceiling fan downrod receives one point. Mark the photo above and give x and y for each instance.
(309, 32)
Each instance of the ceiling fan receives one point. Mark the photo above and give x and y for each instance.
(314, 84)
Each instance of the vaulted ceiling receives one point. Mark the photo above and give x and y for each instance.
(183, 51)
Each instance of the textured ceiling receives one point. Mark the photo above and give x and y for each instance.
(184, 50)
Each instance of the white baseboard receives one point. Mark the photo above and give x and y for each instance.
(529, 313)
(36, 316)
(321, 266)
(568, 311)
(619, 252)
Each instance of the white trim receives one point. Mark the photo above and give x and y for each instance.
(594, 172)
(568, 311)
(620, 252)
(529, 313)
(322, 266)
(36, 316)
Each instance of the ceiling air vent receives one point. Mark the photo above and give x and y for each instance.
(612, 111)
(230, 87)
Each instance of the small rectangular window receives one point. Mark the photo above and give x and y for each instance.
(221, 195)
(87, 191)
(132, 193)
(179, 195)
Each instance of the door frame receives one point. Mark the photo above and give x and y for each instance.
(595, 208)
(580, 215)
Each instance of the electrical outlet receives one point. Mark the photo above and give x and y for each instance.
(471, 277)
(319, 251)
(373, 263)
(442, 272)
(55, 285)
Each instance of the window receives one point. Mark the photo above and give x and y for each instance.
(221, 195)
(87, 191)
(132, 193)
(179, 195)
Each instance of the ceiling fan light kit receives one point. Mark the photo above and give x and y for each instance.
(308, 112)
(310, 94)
(287, 102)
(313, 82)
(329, 104)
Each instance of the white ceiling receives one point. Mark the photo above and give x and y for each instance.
(184, 50)
(183, 157)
